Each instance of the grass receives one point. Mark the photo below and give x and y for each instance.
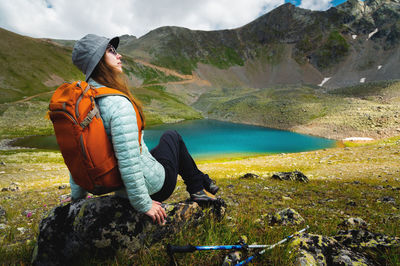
(30, 118)
(363, 110)
(25, 71)
(332, 50)
(362, 174)
(276, 107)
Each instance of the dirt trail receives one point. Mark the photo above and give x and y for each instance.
(33, 96)
(186, 78)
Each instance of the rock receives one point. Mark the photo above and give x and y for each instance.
(13, 187)
(286, 198)
(2, 214)
(103, 225)
(387, 199)
(365, 241)
(354, 223)
(249, 176)
(233, 258)
(22, 230)
(287, 216)
(291, 176)
(320, 250)
(350, 247)
(351, 203)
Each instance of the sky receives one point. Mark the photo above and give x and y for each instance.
(73, 19)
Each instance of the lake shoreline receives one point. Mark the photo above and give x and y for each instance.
(216, 139)
(327, 132)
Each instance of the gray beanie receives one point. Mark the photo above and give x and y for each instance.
(89, 50)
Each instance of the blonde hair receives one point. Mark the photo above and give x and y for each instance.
(107, 76)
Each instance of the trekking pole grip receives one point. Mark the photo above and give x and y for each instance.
(180, 249)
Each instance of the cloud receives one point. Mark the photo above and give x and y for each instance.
(72, 19)
(316, 4)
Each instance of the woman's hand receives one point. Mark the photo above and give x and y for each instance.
(157, 213)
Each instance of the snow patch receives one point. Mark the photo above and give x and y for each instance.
(354, 36)
(358, 139)
(324, 81)
(379, 67)
(362, 80)
(372, 33)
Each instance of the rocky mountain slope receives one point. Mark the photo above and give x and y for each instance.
(352, 43)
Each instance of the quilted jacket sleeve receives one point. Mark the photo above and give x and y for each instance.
(76, 191)
(124, 134)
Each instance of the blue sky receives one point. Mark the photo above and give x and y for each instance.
(60, 19)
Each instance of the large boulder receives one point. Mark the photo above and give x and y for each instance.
(350, 247)
(291, 176)
(101, 226)
(321, 250)
(286, 216)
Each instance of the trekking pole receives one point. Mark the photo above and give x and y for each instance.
(190, 248)
(243, 262)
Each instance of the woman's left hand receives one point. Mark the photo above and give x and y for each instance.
(157, 212)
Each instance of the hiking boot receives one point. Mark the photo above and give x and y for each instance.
(212, 187)
(202, 197)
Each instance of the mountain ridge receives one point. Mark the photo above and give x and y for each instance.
(322, 39)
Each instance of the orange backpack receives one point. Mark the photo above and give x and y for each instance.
(83, 141)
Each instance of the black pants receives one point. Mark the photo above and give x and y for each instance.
(173, 155)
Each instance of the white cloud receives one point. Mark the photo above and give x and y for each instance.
(316, 4)
(72, 19)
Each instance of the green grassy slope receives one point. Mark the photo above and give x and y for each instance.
(370, 108)
(27, 63)
(280, 107)
(26, 67)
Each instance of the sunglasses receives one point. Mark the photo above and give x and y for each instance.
(112, 50)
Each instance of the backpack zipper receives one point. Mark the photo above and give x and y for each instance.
(68, 114)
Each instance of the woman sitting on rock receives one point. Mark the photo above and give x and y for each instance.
(149, 177)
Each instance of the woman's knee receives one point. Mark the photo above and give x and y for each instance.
(171, 134)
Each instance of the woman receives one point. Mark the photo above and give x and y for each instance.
(149, 177)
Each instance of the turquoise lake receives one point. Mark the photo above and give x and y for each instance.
(211, 138)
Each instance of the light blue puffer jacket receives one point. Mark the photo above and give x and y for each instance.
(141, 173)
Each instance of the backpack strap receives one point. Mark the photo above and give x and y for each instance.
(95, 111)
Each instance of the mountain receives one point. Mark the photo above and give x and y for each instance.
(353, 42)
(31, 69)
(31, 66)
